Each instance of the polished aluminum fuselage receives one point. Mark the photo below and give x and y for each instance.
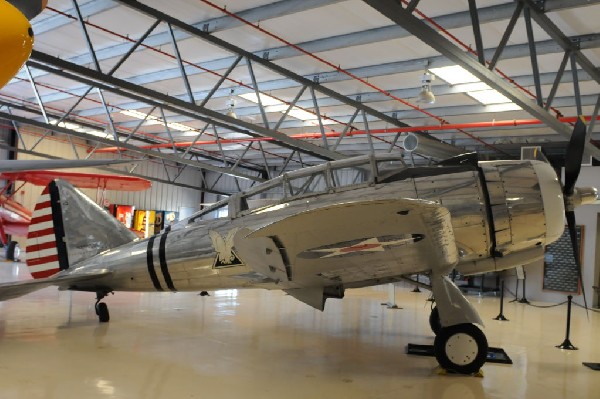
(497, 216)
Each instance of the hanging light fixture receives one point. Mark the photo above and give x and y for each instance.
(426, 96)
(231, 105)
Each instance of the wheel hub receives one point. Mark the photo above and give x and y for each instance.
(461, 349)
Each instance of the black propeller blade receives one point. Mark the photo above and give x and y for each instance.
(573, 158)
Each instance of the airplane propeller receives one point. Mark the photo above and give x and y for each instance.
(573, 158)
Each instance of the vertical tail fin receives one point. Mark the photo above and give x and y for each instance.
(46, 254)
(68, 227)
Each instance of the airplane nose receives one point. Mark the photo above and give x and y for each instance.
(16, 41)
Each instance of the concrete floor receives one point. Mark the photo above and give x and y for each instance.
(260, 344)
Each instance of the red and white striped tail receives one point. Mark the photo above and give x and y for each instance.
(42, 252)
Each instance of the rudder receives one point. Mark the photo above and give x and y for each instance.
(44, 237)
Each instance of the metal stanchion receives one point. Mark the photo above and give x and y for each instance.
(391, 304)
(523, 298)
(567, 342)
(416, 289)
(501, 315)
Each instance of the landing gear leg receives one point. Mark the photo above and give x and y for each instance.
(102, 308)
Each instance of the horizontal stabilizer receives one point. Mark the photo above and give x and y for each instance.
(20, 288)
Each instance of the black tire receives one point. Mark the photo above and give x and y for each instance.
(102, 312)
(434, 321)
(461, 348)
(13, 251)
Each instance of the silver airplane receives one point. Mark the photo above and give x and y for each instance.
(318, 231)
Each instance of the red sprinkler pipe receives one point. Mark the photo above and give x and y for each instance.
(408, 129)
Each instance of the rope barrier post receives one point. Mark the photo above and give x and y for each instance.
(500, 316)
(567, 342)
(391, 304)
(523, 298)
(416, 289)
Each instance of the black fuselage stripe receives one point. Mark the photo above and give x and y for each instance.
(150, 262)
(163, 262)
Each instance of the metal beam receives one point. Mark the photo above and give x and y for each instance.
(557, 35)
(41, 25)
(533, 57)
(476, 31)
(429, 36)
(507, 32)
(557, 80)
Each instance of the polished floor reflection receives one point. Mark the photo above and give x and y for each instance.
(260, 344)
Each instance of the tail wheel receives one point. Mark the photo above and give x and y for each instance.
(461, 348)
(13, 251)
(434, 321)
(102, 312)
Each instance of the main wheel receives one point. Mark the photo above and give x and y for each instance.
(102, 312)
(434, 321)
(461, 348)
(13, 251)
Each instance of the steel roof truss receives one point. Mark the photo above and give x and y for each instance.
(576, 85)
(257, 92)
(533, 57)
(136, 5)
(557, 80)
(507, 32)
(431, 37)
(180, 64)
(289, 107)
(108, 142)
(476, 31)
(221, 80)
(558, 36)
(318, 112)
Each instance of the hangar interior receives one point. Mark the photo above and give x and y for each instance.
(215, 97)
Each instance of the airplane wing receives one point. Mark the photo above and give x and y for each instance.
(20, 288)
(349, 244)
(40, 164)
(81, 180)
